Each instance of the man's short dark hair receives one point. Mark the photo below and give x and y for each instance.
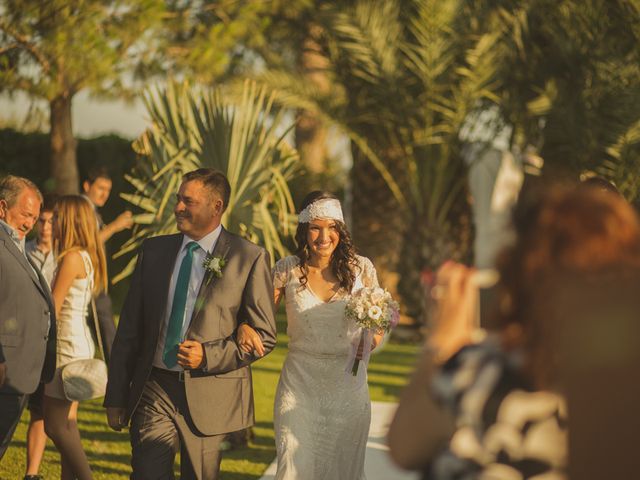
(214, 180)
(94, 173)
(49, 202)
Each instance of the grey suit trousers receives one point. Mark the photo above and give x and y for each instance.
(161, 425)
(11, 407)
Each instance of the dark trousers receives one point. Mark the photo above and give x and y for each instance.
(11, 407)
(161, 425)
(105, 321)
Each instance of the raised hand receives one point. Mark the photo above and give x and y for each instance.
(454, 319)
(123, 221)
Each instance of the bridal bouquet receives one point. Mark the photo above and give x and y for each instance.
(373, 309)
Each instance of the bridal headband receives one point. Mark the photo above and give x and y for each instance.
(326, 208)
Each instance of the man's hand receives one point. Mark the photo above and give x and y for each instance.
(122, 221)
(115, 418)
(190, 354)
(3, 373)
(249, 340)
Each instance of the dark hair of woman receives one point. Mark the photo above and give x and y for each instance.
(568, 233)
(343, 259)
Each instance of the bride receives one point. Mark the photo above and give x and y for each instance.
(321, 414)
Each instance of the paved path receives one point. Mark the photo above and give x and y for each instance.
(377, 465)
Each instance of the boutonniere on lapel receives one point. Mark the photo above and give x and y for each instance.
(213, 265)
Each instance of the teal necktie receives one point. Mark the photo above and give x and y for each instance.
(174, 329)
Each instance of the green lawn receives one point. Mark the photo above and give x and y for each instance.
(109, 451)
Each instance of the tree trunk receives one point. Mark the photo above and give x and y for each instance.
(64, 168)
(310, 133)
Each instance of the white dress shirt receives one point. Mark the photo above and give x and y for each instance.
(207, 244)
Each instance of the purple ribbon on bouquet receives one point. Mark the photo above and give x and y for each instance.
(353, 364)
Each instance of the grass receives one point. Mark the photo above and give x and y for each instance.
(109, 452)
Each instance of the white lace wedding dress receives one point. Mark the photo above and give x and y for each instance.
(322, 415)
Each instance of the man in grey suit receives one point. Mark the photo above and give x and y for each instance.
(177, 374)
(27, 318)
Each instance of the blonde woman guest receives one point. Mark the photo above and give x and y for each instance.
(81, 273)
(321, 416)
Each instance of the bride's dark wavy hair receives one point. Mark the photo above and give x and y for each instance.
(343, 260)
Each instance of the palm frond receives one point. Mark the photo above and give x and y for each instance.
(192, 129)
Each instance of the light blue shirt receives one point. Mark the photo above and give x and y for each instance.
(207, 244)
(13, 233)
(46, 262)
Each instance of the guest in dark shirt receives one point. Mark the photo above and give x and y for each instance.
(97, 188)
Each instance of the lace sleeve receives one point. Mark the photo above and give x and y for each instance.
(369, 275)
(282, 270)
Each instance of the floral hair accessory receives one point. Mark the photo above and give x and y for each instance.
(326, 208)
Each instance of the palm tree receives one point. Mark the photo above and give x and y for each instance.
(243, 138)
(404, 81)
(406, 75)
(570, 80)
(622, 163)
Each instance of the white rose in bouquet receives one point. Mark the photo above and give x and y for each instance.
(374, 312)
(377, 295)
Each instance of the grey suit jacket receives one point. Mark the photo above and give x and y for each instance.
(219, 396)
(27, 322)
